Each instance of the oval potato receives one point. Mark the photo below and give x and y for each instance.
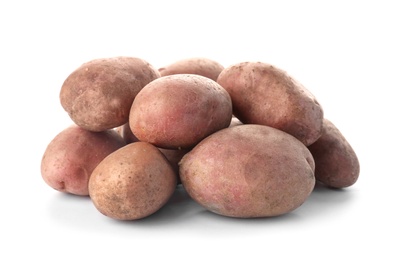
(266, 95)
(248, 171)
(197, 65)
(337, 164)
(132, 183)
(98, 95)
(73, 154)
(178, 111)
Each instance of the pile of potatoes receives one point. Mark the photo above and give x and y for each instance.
(244, 141)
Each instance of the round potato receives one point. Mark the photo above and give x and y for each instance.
(263, 94)
(98, 95)
(200, 66)
(71, 156)
(337, 164)
(249, 171)
(178, 111)
(132, 183)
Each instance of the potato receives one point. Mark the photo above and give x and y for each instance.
(98, 95)
(132, 182)
(71, 156)
(337, 164)
(178, 111)
(248, 171)
(263, 94)
(200, 66)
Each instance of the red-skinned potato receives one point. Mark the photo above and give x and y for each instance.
(337, 164)
(178, 111)
(266, 95)
(249, 171)
(132, 183)
(197, 65)
(98, 94)
(71, 156)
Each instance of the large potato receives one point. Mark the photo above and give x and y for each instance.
(71, 156)
(98, 94)
(263, 94)
(178, 111)
(132, 183)
(198, 65)
(337, 164)
(249, 171)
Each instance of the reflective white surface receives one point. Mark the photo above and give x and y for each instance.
(347, 54)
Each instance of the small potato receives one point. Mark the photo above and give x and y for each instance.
(263, 94)
(132, 183)
(200, 66)
(71, 156)
(249, 171)
(98, 95)
(178, 111)
(337, 164)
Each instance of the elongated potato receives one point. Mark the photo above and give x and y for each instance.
(73, 154)
(132, 183)
(178, 111)
(337, 164)
(249, 171)
(266, 95)
(198, 65)
(98, 94)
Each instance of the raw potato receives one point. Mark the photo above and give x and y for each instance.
(71, 156)
(98, 95)
(337, 164)
(178, 111)
(263, 94)
(200, 66)
(249, 171)
(132, 183)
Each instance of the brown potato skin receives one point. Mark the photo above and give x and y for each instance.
(266, 95)
(71, 156)
(178, 111)
(197, 65)
(98, 94)
(249, 171)
(337, 164)
(132, 183)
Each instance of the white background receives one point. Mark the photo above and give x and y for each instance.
(348, 53)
